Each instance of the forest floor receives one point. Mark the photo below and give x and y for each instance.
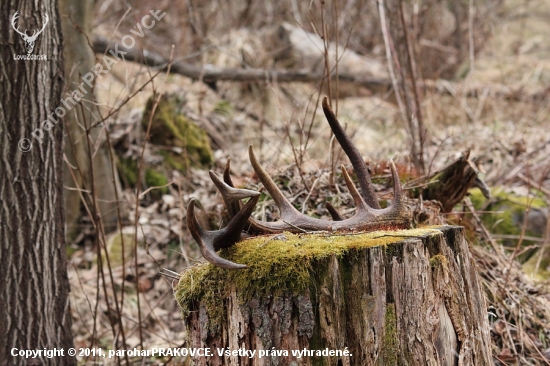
(504, 126)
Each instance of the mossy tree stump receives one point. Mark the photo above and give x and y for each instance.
(408, 297)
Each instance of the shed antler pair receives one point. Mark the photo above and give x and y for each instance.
(369, 215)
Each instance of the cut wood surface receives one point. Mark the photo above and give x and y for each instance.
(409, 297)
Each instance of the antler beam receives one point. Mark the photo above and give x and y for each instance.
(361, 169)
(366, 217)
(369, 216)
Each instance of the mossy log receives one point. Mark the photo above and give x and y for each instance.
(408, 297)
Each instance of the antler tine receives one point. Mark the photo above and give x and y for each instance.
(359, 202)
(211, 241)
(227, 179)
(231, 196)
(288, 211)
(232, 232)
(397, 203)
(226, 173)
(332, 211)
(205, 242)
(354, 156)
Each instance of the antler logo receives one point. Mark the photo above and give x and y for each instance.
(29, 40)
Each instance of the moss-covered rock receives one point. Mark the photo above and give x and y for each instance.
(181, 143)
(128, 171)
(170, 127)
(154, 176)
(506, 213)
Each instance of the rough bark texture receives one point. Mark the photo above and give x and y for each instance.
(449, 185)
(415, 302)
(34, 289)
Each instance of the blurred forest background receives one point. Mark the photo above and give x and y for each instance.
(429, 84)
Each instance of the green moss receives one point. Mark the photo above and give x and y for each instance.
(506, 212)
(275, 264)
(476, 197)
(438, 260)
(390, 336)
(71, 250)
(128, 170)
(500, 195)
(223, 108)
(154, 178)
(542, 272)
(174, 162)
(169, 127)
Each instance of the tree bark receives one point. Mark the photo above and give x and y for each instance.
(416, 301)
(450, 184)
(34, 290)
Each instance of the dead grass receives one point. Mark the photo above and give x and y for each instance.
(507, 138)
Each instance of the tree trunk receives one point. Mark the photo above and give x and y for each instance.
(34, 312)
(415, 301)
(76, 19)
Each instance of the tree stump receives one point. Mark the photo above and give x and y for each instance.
(409, 297)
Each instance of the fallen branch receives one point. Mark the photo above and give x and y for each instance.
(211, 74)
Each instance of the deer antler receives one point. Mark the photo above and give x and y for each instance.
(231, 196)
(361, 169)
(211, 241)
(333, 212)
(369, 215)
(366, 217)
